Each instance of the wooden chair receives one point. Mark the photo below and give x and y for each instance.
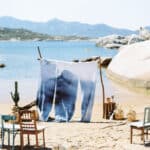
(29, 126)
(8, 127)
(143, 126)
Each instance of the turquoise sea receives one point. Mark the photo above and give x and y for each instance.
(22, 65)
(21, 61)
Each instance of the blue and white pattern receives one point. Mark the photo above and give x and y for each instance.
(59, 87)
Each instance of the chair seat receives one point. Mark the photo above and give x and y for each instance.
(8, 126)
(143, 126)
(139, 124)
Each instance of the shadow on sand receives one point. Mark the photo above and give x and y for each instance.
(26, 147)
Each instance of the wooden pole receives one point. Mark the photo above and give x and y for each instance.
(102, 84)
(28, 106)
(39, 52)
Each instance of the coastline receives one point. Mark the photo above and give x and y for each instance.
(99, 133)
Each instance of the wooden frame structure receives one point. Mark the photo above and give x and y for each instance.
(98, 59)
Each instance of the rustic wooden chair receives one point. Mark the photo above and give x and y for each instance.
(29, 126)
(144, 125)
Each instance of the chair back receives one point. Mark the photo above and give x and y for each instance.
(6, 118)
(147, 116)
(27, 119)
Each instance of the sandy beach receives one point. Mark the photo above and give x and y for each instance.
(99, 133)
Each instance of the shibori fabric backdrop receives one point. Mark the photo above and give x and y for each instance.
(59, 87)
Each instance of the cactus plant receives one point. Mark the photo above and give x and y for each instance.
(15, 96)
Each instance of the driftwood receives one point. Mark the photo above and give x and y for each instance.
(88, 59)
(28, 106)
(104, 60)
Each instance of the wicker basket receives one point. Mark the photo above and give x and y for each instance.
(131, 115)
(119, 114)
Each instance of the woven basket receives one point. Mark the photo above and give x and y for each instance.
(131, 115)
(118, 114)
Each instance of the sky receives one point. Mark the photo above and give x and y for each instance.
(129, 14)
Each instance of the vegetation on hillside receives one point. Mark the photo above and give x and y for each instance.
(23, 34)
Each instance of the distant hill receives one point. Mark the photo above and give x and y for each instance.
(24, 34)
(21, 34)
(57, 27)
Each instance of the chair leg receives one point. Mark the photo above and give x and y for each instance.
(43, 139)
(131, 134)
(146, 134)
(3, 135)
(9, 138)
(36, 137)
(13, 142)
(28, 139)
(142, 136)
(21, 141)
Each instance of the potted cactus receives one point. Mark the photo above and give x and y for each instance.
(15, 96)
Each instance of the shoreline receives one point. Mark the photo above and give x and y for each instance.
(74, 135)
(28, 90)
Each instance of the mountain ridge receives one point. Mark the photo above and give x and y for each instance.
(57, 27)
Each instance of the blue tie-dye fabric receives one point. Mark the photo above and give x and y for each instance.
(59, 86)
(66, 93)
(88, 91)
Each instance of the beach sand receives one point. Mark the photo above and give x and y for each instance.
(99, 134)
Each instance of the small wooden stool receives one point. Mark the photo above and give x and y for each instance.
(109, 108)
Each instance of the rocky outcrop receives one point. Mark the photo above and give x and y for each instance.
(131, 66)
(144, 33)
(2, 65)
(116, 41)
(134, 39)
(112, 41)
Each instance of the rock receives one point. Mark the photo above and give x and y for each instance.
(131, 66)
(112, 41)
(144, 33)
(2, 65)
(134, 39)
(113, 46)
(105, 61)
(116, 41)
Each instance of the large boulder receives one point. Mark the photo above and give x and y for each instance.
(131, 66)
(144, 33)
(112, 41)
(116, 41)
(134, 38)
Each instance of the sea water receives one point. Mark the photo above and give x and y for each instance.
(21, 61)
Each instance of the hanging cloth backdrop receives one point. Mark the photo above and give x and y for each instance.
(59, 86)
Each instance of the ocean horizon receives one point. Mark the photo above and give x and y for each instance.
(21, 62)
